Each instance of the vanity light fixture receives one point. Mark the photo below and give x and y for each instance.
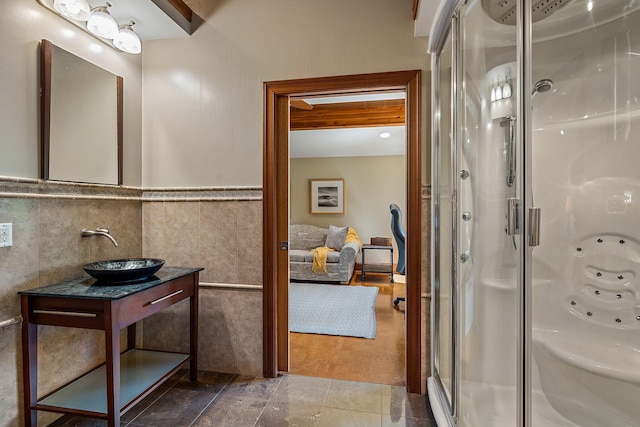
(98, 21)
(74, 9)
(127, 40)
(101, 23)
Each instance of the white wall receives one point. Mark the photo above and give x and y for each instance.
(371, 184)
(203, 96)
(23, 23)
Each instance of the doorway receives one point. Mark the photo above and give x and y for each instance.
(276, 209)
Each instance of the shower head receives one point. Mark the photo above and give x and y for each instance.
(542, 86)
(505, 11)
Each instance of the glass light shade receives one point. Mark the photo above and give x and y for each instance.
(493, 94)
(127, 40)
(506, 90)
(74, 9)
(101, 23)
(498, 92)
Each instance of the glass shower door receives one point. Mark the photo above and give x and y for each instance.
(442, 234)
(488, 234)
(584, 286)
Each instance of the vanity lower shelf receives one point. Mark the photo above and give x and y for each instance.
(140, 372)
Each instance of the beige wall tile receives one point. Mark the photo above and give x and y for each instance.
(229, 248)
(426, 341)
(168, 330)
(124, 217)
(426, 245)
(181, 230)
(18, 263)
(11, 378)
(65, 353)
(218, 327)
(249, 332)
(153, 332)
(219, 242)
(153, 231)
(250, 243)
(63, 250)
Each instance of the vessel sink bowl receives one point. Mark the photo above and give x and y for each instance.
(124, 270)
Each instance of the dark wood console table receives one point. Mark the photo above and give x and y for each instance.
(124, 379)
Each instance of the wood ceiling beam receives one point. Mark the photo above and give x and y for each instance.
(350, 115)
(182, 8)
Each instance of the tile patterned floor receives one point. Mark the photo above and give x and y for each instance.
(291, 400)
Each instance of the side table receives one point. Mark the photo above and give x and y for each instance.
(377, 268)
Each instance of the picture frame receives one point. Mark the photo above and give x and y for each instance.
(327, 196)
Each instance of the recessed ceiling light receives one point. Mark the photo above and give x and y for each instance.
(385, 135)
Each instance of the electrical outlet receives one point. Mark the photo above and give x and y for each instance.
(6, 234)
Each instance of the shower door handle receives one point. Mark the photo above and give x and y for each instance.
(534, 226)
(512, 216)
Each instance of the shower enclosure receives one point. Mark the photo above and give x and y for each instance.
(536, 229)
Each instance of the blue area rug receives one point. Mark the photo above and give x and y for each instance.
(333, 309)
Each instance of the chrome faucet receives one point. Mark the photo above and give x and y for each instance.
(100, 231)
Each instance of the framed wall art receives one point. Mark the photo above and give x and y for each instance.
(327, 196)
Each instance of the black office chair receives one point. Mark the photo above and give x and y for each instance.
(398, 234)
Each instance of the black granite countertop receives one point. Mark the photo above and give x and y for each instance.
(90, 288)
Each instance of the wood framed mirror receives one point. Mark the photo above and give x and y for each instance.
(81, 119)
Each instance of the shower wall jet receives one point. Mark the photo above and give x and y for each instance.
(536, 230)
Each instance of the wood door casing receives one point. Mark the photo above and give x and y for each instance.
(276, 208)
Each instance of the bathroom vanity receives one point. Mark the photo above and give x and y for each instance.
(125, 378)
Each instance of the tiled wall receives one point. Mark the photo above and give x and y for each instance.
(220, 230)
(47, 247)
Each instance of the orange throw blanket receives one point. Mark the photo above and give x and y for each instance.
(319, 265)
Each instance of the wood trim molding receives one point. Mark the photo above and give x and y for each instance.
(269, 248)
(45, 106)
(276, 209)
(350, 115)
(413, 306)
(120, 115)
(414, 8)
(182, 7)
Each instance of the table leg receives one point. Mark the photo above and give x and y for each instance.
(391, 264)
(193, 330)
(112, 336)
(131, 336)
(362, 274)
(29, 364)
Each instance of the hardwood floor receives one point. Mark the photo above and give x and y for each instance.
(380, 360)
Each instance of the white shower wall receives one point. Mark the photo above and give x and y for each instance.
(586, 181)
